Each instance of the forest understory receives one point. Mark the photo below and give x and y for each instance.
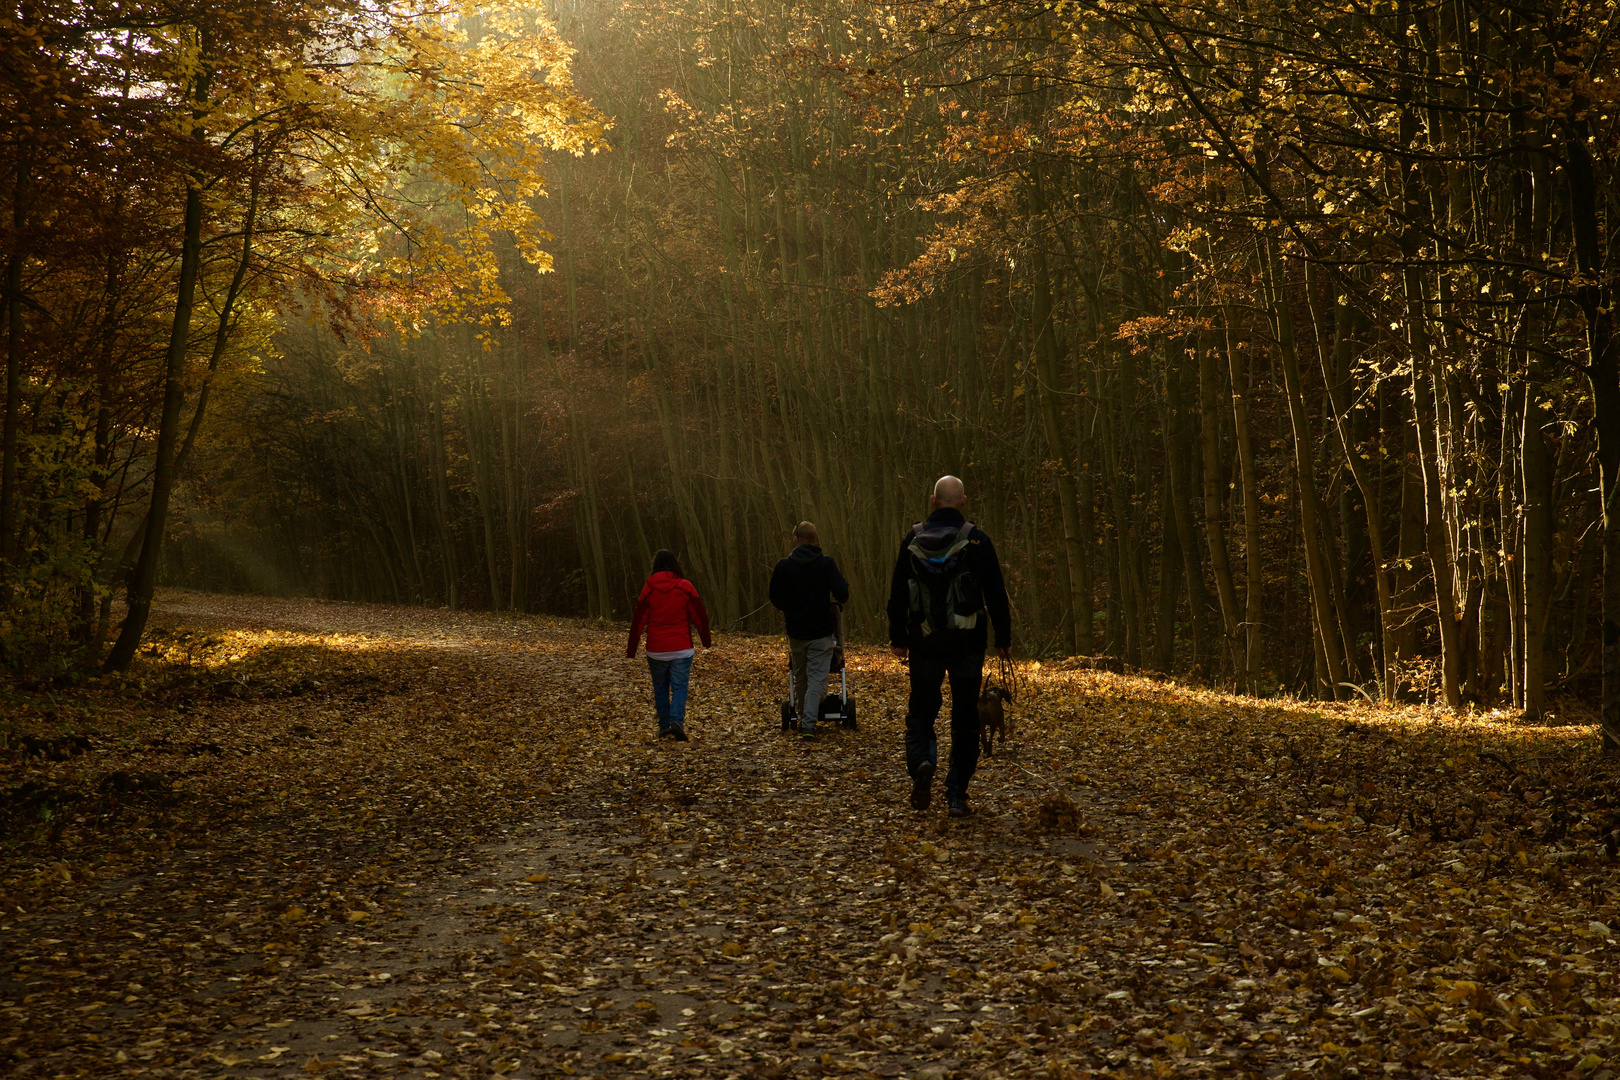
(302, 838)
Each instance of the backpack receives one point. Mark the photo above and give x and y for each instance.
(944, 594)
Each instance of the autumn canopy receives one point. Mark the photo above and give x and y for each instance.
(1274, 343)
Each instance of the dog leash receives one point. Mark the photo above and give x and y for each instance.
(750, 615)
(1006, 676)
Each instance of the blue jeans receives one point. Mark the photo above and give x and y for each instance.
(669, 679)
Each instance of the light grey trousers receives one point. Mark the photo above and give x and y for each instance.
(812, 659)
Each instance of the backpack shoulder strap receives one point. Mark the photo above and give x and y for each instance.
(937, 556)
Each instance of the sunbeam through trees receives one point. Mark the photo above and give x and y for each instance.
(363, 358)
(1235, 321)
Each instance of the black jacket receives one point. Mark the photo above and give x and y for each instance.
(981, 559)
(802, 586)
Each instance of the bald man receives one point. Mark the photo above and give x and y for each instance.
(946, 585)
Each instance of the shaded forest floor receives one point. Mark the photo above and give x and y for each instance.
(305, 838)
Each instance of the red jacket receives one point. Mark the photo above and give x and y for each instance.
(668, 608)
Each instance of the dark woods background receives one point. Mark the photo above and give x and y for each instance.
(1273, 342)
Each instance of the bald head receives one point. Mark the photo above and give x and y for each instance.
(949, 493)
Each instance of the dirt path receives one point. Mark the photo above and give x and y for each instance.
(375, 841)
(695, 901)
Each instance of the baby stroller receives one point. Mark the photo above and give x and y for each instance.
(838, 707)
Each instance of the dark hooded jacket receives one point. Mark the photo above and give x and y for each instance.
(803, 586)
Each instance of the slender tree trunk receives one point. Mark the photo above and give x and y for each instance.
(1048, 385)
(1536, 551)
(1410, 553)
(13, 419)
(479, 440)
(1424, 377)
(1032, 566)
(1603, 373)
(514, 459)
(1164, 649)
(1085, 500)
(1369, 499)
(441, 494)
(1510, 493)
(1179, 456)
(1253, 575)
(143, 579)
(401, 464)
(225, 322)
(94, 504)
(1214, 510)
(1316, 568)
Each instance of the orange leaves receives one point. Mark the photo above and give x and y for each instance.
(476, 853)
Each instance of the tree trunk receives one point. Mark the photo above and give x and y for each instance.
(1535, 552)
(1424, 375)
(1085, 498)
(1253, 575)
(1369, 499)
(479, 439)
(1179, 457)
(1316, 568)
(1164, 646)
(1046, 360)
(13, 421)
(143, 579)
(1603, 372)
(441, 496)
(1214, 511)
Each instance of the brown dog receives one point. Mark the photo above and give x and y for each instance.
(993, 717)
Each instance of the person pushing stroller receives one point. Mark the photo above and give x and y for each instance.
(804, 586)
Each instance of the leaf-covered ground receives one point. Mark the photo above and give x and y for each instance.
(307, 838)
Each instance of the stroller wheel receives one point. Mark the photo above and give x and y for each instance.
(788, 719)
(849, 715)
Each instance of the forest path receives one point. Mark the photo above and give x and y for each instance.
(349, 839)
(659, 879)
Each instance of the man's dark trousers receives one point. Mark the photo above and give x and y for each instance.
(928, 673)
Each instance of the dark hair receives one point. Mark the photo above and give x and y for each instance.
(666, 560)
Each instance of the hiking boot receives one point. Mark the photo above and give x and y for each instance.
(807, 733)
(922, 785)
(678, 734)
(960, 808)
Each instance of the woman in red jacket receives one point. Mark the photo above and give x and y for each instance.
(668, 608)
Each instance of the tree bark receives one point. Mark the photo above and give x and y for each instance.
(1369, 498)
(1180, 454)
(143, 579)
(1164, 646)
(1046, 358)
(1253, 576)
(1214, 509)
(13, 421)
(441, 489)
(1603, 373)
(1316, 568)
(1535, 552)
(1424, 375)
